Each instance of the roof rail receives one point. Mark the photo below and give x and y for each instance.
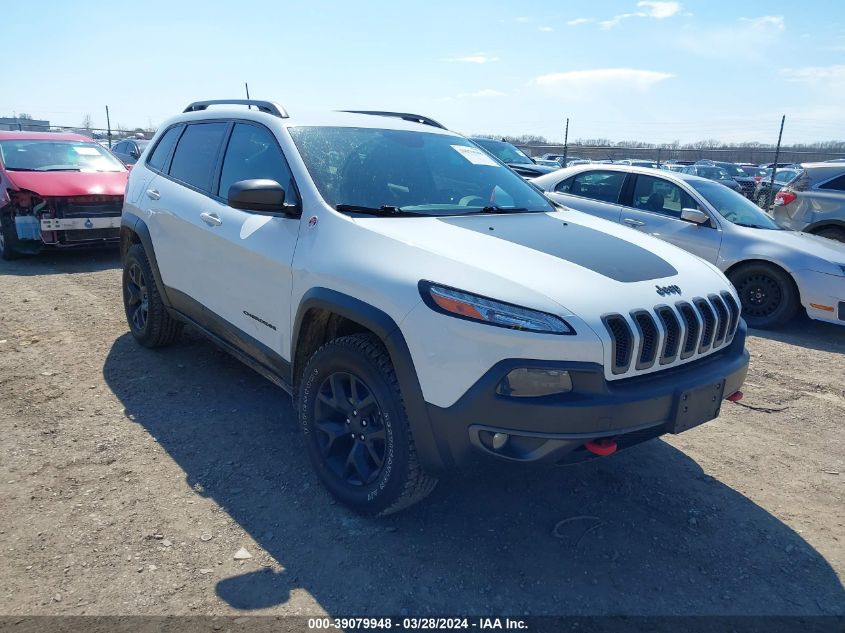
(407, 116)
(262, 106)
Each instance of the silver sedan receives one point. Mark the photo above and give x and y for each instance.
(775, 271)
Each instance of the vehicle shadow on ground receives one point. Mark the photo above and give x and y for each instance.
(643, 532)
(803, 331)
(61, 262)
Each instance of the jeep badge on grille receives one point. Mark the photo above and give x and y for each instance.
(668, 290)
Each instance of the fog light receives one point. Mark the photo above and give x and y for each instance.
(530, 382)
(499, 440)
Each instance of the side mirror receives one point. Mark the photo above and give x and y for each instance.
(695, 216)
(260, 195)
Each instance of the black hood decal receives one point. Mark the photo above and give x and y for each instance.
(597, 251)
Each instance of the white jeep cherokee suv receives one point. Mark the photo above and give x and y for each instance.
(420, 301)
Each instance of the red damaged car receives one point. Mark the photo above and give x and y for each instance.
(59, 190)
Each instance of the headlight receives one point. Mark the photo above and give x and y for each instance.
(472, 307)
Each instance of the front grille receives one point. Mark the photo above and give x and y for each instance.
(648, 338)
(622, 342)
(87, 206)
(667, 335)
(672, 327)
(86, 235)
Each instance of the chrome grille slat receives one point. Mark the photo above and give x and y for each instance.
(733, 309)
(692, 320)
(708, 318)
(649, 338)
(722, 318)
(672, 338)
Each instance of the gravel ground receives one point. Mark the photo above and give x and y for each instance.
(130, 479)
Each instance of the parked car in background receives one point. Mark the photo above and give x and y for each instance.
(57, 190)
(764, 195)
(513, 157)
(814, 201)
(546, 163)
(672, 166)
(746, 181)
(774, 271)
(711, 172)
(129, 150)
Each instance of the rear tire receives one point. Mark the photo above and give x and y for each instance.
(831, 233)
(356, 428)
(767, 294)
(148, 318)
(8, 239)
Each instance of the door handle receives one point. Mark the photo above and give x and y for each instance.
(211, 219)
(153, 194)
(632, 222)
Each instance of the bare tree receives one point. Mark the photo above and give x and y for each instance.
(87, 122)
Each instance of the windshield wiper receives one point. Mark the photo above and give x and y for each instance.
(60, 169)
(384, 211)
(754, 226)
(496, 209)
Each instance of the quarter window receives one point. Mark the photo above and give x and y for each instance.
(253, 153)
(162, 149)
(196, 154)
(661, 196)
(596, 185)
(838, 184)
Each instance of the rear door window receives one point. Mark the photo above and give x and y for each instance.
(196, 154)
(162, 149)
(605, 186)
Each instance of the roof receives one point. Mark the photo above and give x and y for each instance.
(311, 119)
(47, 136)
(633, 169)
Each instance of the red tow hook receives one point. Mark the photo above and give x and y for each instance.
(736, 396)
(601, 447)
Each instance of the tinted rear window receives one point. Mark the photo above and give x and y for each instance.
(196, 154)
(837, 184)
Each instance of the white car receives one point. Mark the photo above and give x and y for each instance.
(775, 271)
(420, 301)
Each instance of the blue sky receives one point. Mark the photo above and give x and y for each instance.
(622, 69)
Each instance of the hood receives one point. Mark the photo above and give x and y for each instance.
(69, 183)
(532, 170)
(800, 250)
(584, 264)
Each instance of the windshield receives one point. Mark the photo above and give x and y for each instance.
(505, 152)
(784, 176)
(732, 206)
(733, 170)
(49, 155)
(413, 172)
(714, 173)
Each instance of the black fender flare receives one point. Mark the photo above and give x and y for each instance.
(131, 224)
(379, 322)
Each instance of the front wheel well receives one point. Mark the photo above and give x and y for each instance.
(763, 262)
(319, 326)
(128, 237)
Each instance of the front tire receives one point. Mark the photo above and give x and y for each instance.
(767, 294)
(356, 429)
(147, 316)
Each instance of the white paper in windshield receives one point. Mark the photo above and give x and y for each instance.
(86, 151)
(475, 155)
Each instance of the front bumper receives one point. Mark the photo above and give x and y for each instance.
(822, 295)
(555, 428)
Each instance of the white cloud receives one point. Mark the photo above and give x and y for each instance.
(747, 39)
(523, 19)
(546, 29)
(585, 83)
(477, 58)
(578, 21)
(659, 10)
(482, 94)
(766, 22)
(828, 75)
(647, 9)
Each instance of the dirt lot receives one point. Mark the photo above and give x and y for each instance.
(129, 478)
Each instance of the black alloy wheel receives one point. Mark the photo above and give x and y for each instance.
(350, 429)
(137, 297)
(767, 294)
